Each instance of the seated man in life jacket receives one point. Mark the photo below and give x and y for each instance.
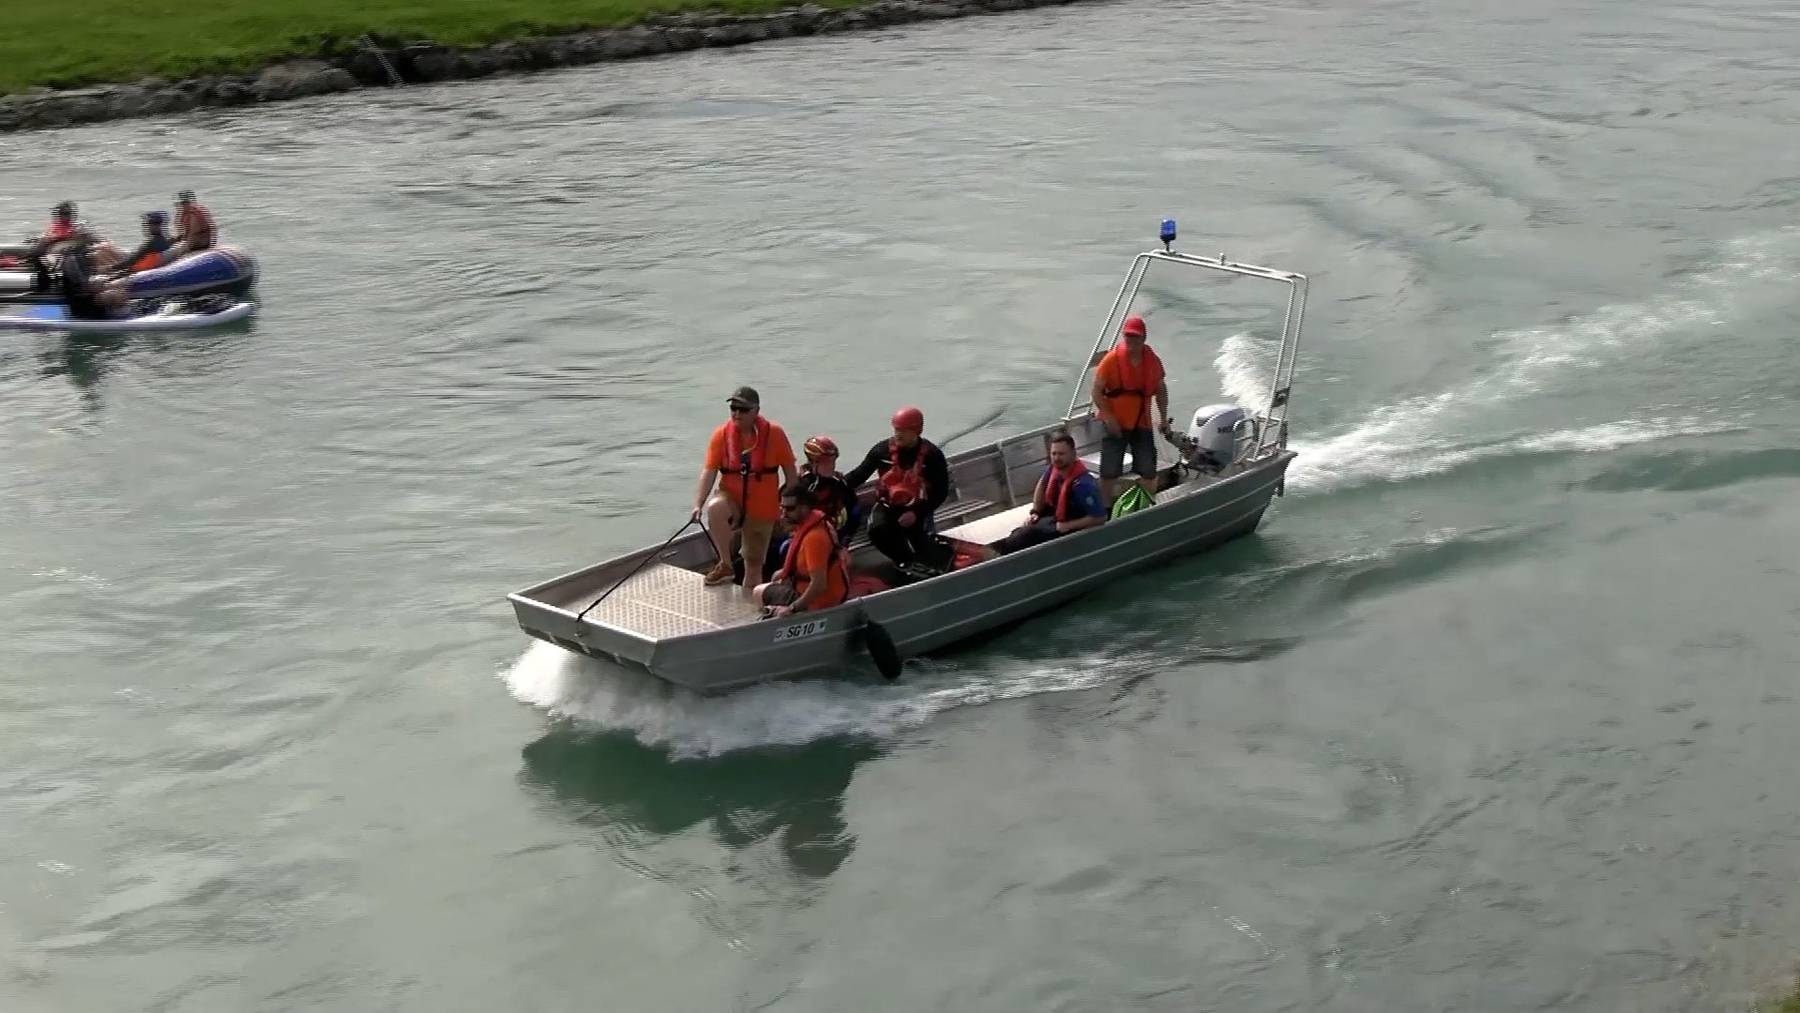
(87, 296)
(1128, 380)
(1066, 500)
(814, 574)
(825, 489)
(915, 481)
(63, 228)
(194, 228)
(149, 253)
(824, 486)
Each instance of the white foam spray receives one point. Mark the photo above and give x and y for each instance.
(1410, 439)
(594, 694)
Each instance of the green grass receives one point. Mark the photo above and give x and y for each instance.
(102, 41)
(1791, 1004)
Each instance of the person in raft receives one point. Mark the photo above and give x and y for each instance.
(1128, 379)
(814, 574)
(915, 481)
(149, 253)
(63, 228)
(194, 228)
(88, 297)
(742, 458)
(1066, 500)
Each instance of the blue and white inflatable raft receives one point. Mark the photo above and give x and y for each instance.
(224, 270)
(175, 315)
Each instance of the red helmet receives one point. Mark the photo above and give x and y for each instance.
(910, 419)
(820, 446)
(1134, 327)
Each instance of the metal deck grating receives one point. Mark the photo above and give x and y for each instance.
(663, 601)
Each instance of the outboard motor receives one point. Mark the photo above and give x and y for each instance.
(1211, 441)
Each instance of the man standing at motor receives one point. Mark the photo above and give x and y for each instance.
(915, 481)
(1129, 379)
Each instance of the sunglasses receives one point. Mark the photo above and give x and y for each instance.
(743, 408)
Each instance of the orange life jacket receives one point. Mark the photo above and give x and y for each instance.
(196, 226)
(903, 486)
(1061, 482)
(815, 519)
(759, 452)
(1129, 401)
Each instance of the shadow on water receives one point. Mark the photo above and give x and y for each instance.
(793, 794)
(87, 359)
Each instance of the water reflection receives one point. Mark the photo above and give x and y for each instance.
(87, 359)
(794, 794)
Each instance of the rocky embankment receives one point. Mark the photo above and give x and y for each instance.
(378, 62)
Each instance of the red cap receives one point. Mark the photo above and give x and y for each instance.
(910, 419)
(1134, 327)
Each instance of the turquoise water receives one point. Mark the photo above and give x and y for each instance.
(1493, 713)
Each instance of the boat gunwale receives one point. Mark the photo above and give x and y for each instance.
(861, 603)
(531, 596)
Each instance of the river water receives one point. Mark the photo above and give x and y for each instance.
(1495, 712)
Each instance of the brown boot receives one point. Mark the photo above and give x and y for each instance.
(720, 574)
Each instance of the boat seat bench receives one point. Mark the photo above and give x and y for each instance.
(949, 513)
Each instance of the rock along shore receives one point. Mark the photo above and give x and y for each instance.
(353, 64)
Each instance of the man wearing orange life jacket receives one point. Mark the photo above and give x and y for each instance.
(147, 256)
(814, 574)
(194, 228)
(1128, 379)
(1066, 500)
(62, 229)
(743, 457)
(915, 481)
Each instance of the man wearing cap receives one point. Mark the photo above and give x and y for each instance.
(915, 481)
(149, 253)
(194, 228)
(743, 458)
(1127, 380)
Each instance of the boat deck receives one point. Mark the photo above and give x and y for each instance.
(662, 601)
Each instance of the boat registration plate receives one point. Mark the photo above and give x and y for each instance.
(800, 630)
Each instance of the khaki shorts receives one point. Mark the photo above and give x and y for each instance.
(754, 540)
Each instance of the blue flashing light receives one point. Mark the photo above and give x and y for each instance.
(1168, 231)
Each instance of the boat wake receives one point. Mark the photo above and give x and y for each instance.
(1420, 436)
(593, 694)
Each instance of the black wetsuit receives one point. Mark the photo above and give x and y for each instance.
(836, 498)
(76, 275)
(904, 544)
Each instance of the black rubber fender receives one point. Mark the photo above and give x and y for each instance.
(881, 649)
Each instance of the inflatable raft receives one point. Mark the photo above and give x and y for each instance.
(225, 270)
(175, 315)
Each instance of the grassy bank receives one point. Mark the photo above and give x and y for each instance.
(1790, 1004)
(106, 41)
